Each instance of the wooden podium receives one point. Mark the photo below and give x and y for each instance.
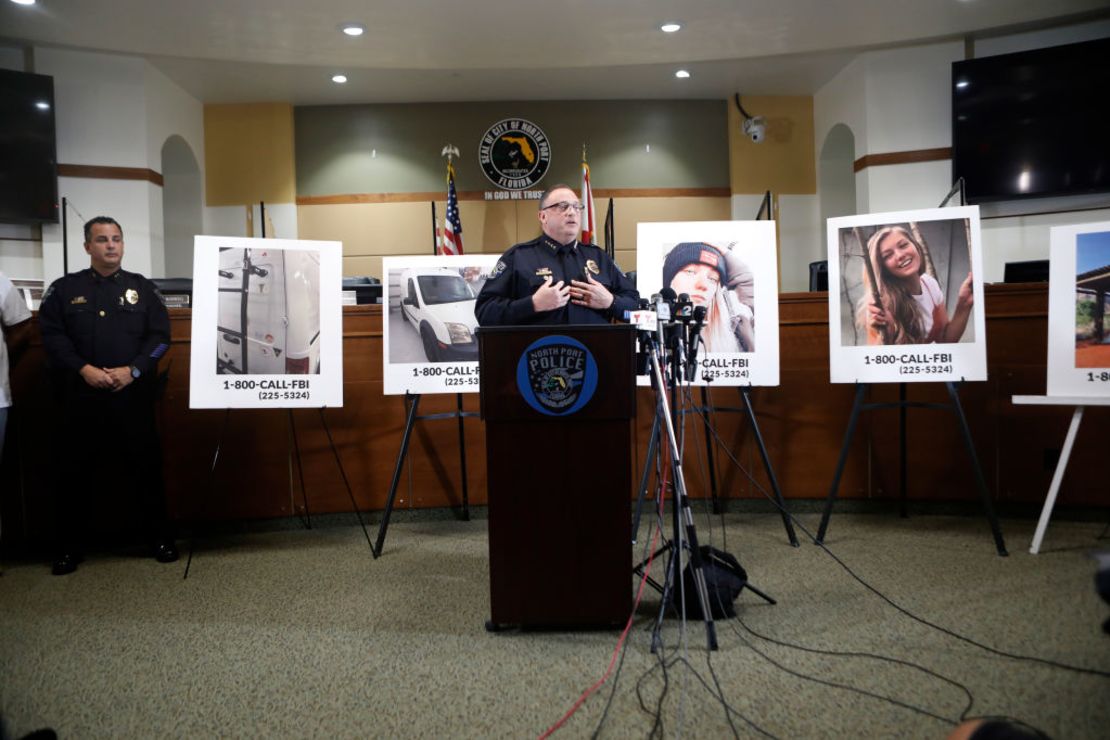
(560, 473)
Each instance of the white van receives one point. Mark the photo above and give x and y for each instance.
(269, 312)
(439, 304)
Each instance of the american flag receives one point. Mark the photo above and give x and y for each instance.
(589, 221)
(452, 224)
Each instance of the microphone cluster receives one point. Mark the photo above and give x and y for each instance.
(673, 324)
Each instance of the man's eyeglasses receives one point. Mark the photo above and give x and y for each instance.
(564, 206)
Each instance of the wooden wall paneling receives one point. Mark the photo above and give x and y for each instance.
(803, 422)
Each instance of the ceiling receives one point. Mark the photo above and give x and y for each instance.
(437, 50)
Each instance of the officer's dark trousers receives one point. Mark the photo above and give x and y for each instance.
(112, 459)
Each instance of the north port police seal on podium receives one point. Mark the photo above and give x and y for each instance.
(556, 375)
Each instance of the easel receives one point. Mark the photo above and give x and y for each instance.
(902, 404)
(293, 450)
(704, 410)
(412, 402)
(293, 456)
(1080, 403)
(764, 213)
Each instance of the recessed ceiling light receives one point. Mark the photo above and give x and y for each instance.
(339, 79)
(670, 27)
(353, 29)
(682, 74)
(962, 84)
(42, 105)
(24, 2)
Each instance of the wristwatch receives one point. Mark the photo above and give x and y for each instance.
(135, 372)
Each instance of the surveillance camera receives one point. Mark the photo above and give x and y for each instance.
(755, 129)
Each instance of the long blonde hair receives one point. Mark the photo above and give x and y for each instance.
(908, 326)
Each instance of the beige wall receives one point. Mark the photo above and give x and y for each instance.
(248, 154)
(784, 162)
(370, 231)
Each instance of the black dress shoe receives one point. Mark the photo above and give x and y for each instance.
(66, 563)
(165, 552)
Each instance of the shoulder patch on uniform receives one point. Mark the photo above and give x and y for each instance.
(497, 269)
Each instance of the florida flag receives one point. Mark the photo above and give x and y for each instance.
(452, 224)
(589, 224)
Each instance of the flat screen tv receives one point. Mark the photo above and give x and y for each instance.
(28, 154)
(1034, 123)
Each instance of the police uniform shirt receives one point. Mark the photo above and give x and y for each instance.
(506, 297)
(114, 321)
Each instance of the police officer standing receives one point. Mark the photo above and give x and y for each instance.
(104, 330)
(555, 279)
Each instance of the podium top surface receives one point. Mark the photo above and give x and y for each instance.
(1061, 401)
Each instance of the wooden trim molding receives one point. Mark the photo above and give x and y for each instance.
(98, 172)
(910, 157)
(480, 195)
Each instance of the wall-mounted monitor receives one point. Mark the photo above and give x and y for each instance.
(28, 154)
(1033, 123)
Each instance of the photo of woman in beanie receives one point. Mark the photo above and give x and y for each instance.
(720, 281)
(902, 303)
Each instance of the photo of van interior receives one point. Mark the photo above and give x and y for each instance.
(438, 302)
(269, 312)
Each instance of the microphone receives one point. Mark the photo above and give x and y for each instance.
(695, 338)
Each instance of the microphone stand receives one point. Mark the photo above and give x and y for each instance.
(684, 532)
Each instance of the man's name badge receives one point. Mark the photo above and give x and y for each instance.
(77, 300)
(544, 272)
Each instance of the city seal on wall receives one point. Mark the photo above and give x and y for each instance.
(514, 154)
(556, 375)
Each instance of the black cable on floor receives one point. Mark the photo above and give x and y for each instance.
(888, 600)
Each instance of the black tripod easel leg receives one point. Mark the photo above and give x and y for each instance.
(462, 458)
(211, 485)
(709, 459)
(857, 406)
(744, 392)
(903, 510)
(415, 401)
(295, 458)
(346, 482)
(984, 492)
(649, 460)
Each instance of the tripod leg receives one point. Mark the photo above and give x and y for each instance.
(770, 470)
(649, 459)
(296, 459)
(710, 464)
(857, 406)
(346, 483)
(759, 593)
(902, 450)
(211, 486)
(377, 549)
(462, 458)
(983, 491)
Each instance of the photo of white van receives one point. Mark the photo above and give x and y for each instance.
(438, 302)
(269, 312)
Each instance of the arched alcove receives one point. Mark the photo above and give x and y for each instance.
(836, 178)
(182, 217)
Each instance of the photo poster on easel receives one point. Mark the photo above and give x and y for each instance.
(906, 297)
(730, 268)
(267, 323)
(428, 322)
(1079, 311)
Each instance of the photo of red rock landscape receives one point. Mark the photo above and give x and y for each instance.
(1092, 286)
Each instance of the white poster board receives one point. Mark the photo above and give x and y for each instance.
(1079, 311)
(428, 322)
(731, 268)
(925, 271)
(267, 323)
